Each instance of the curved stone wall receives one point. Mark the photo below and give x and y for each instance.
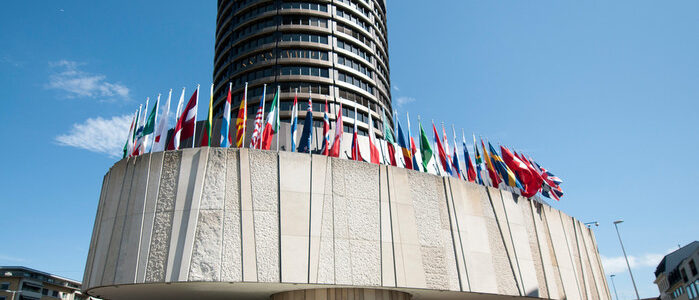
(248, 223)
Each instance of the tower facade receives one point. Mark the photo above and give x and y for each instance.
(334, 50)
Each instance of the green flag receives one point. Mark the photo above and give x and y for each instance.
(149, 127)
(387, 132)
(425, 148)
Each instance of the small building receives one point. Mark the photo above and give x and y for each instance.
(676, 276)
(22, 283)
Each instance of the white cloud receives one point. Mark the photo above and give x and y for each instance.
(618, 264)
(396, 88)
(69, 78)
(404, 100)
(99, 135)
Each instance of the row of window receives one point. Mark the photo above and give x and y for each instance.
(354, 49)
(357, 7)
(352, 96)
(356, 82)
(285, 87)
(251, 44)
(354, 65)
(268, 56)
(352, 18)
(308, 21)
(253, 28)
(253, 13)
(302, 5)
(359, 36)
(297, 37)
(308, 71)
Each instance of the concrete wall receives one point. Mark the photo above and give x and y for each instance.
(248, 216)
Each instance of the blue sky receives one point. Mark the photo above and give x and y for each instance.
(603, 93)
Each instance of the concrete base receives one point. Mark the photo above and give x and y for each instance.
(342, 294)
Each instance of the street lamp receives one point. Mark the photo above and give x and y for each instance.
(614, 285)
(589, 224)
(616, 223)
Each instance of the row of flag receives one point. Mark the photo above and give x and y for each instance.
(490, 167)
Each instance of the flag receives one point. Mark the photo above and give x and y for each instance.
(388, 136)
(174, 143)
(470, 170)
(479, 162)
(449, 167)
(551, 185)
(413, 149)
(455, 157)
(149, 126)
(256, 133)
(446, 164)
(206, 138)
(373, 150)
(307, 134)
(356, 153)
(226, 140)
(405, 148)
(187, 121)
(161, 132)
(272, 124)
(522, 172)
(294, 122)
(325, 149)
(242, 119)
(425, 148)
(335, 150)
(538, 180)
(494, 179)
(505, 173)
(138, 142)
(127, 145)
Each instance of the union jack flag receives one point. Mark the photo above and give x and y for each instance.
(326, 131)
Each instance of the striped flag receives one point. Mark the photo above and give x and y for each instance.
(128, 144)
(373, 150)
(206, 139)
(242, 119)
(335, 150)
(256, 133)
(294, 121)
(226, 120)
(356, 153)
(174, 143)
(326, 131)
(272, 124)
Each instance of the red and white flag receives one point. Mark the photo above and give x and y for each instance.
(257, 132)
(186, 123)
(326, 131)
(373, 149)
(335, 150)
(161, 131)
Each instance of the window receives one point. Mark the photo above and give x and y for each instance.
(295, 37)
(693, 267)
(684, 274)
(354, 65)
(309, 6)
(356, 82)
(4, 286)
(354, 49)
(309, 54)
(308, 21)
(45, 292)
(54, 294)
(306, 71)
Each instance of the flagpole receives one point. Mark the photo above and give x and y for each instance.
(277, 115)
(155, 124)
(245, 112)
(196, 112)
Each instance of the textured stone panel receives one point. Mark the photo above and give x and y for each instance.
(148, 214)
(587, 267)
(319, 180)
(214, 180)
(497, 238)
(295, 209)
(429, 201)
(247, 222)
(119, 223)
(549, 286)
(265, 201)
(388, 276)
(326, 251)
(206, 254)
(594, 264)
(528, 221)
(563, 255)
(165, 205)
(569, 232)
(556, 288)
(231, 262)
(521, 241)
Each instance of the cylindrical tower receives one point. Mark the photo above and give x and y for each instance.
(334, 50)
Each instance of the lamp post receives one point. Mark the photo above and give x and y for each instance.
(13, 293)
(590, 224)
(614, 285)
(616, 223)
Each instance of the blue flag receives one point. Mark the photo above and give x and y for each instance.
(307, 134)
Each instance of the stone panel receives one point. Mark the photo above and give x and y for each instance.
(247, 220)
(119, 223)
(569, 231)
(148, 214)
(521, 242)
(231, 258)
(89, 264)
(294, 205)
(326, 250)
(131, 237)
(524, 205)
(208, 239)
(562, 254)
(265, 201)
(320, 183)
(164, 208)
(499, 241)
(550, 270)
(388, 267)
